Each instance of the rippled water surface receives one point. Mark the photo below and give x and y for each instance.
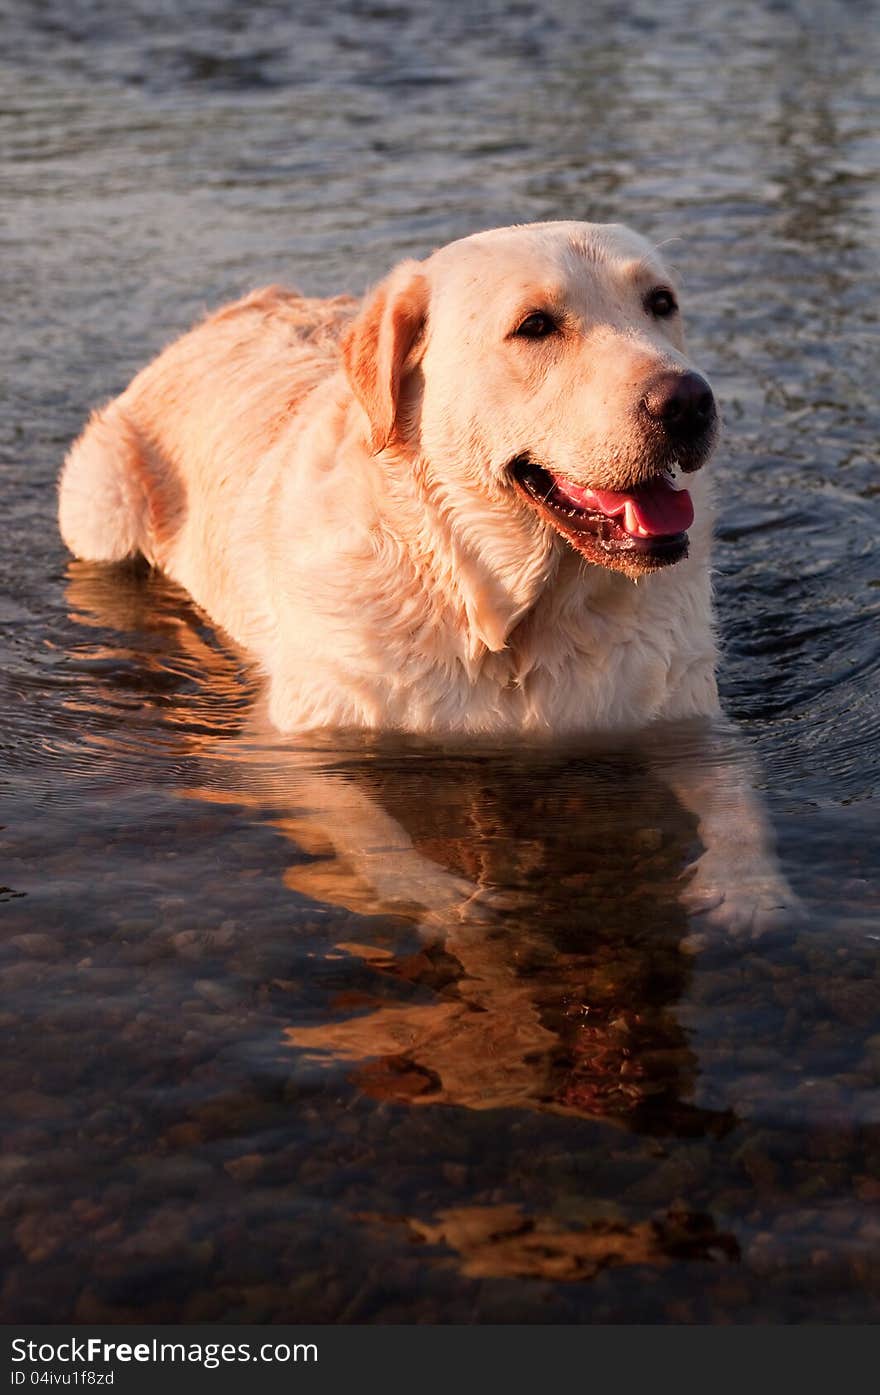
(240, 1082)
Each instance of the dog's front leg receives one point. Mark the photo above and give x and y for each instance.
(373, 866)
(736, 884)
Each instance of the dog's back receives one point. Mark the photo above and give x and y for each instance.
(178, 469)
(206, 410)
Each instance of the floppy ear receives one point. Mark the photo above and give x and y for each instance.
(376, 344)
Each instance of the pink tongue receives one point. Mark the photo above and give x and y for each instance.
(652, 511)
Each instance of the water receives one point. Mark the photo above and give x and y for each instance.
(241, 1084)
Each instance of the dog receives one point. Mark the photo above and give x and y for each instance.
(454, 508)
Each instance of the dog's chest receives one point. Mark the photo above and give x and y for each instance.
(602, 681)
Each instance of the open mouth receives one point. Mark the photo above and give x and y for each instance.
(635, 530)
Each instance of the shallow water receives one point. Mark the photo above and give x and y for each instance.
(239, 1083)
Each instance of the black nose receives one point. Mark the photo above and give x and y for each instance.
(682, 403)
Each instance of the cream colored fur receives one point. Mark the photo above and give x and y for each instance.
(330, 483)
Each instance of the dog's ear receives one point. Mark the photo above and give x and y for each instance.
(377, 343)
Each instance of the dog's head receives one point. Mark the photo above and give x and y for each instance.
(542, 370)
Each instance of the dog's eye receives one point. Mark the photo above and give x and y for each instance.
(661, 303)
(536, 326)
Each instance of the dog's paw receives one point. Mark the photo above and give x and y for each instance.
(486, 906)
(740, 900)
(462, 903)
(445, 900)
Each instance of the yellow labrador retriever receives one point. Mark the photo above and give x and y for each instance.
(458, 507)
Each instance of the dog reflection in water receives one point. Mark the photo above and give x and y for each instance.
(548, 894)
(551, 888)
(544, 975)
